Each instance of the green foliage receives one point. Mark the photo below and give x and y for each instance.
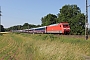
(2, 28)
(1, 34)
(17, 32)
(49, 19)
(43, 37)
(89, 31)
(72, 14)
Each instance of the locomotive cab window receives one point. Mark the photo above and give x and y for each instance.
(65, 25)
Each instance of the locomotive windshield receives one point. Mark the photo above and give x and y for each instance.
(66, 25)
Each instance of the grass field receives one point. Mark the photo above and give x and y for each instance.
(14, 46)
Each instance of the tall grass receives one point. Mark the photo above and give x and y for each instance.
(44, 47)
(61, 47)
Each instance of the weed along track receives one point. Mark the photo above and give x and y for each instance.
(43, 47)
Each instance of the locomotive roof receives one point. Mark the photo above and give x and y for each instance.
(58, 23)
(53, 24)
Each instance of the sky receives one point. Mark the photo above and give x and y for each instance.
(18, 12)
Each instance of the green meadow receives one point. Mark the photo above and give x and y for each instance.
(21, 46)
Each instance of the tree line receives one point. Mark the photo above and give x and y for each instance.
(21, 27)
(68, 13)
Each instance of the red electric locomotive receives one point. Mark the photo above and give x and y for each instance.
(62, 28)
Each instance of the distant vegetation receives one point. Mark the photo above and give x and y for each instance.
(68, 13)
(16, 46)
(2, 28)
(24, 26)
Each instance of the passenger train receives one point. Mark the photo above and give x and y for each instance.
(60, 28)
